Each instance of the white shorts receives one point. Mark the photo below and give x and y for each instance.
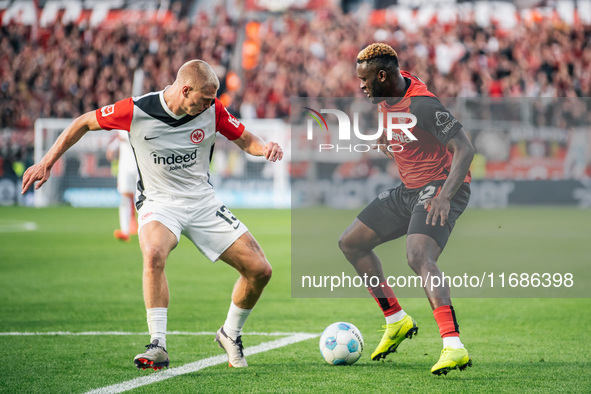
(207, 223)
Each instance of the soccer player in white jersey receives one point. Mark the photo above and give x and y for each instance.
(172, 133)
(126, 184)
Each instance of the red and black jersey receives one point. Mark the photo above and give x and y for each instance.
(426, 159)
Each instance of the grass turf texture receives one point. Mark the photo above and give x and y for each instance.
(71, 275)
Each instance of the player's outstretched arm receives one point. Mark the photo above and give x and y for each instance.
(255, 146)
(41, 171)
(463, 153)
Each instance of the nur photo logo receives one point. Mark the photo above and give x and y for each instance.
(397, 129)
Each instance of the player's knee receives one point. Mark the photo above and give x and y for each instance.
(262, 272)
(154, 258)
(415, 258)
(418, 259)
(346, 244)
(266, 273)
(351, 248)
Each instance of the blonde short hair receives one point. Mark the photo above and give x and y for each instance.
(378, 51)
(198, 73)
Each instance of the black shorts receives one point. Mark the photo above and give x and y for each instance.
(402, 211)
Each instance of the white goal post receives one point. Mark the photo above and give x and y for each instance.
(83, 176)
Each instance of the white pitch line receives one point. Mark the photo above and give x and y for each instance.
(16, 226)
(69, 333)
(201, 364)
(99, 333)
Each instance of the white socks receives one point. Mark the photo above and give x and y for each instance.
(453, 342)
(395, 317)
(125, 209)
(235, 321)
(232, 327)
(157, 325)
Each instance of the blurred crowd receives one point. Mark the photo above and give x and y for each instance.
(64, 71)
(301, 57)
(67, 70)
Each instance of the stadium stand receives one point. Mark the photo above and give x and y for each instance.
(71, 68)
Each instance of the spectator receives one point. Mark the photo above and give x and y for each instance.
(71, 69)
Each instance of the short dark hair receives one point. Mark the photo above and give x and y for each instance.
(381, 54)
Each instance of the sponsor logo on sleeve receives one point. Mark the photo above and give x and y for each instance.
(108, 110)
(445, 119)
(235, 122)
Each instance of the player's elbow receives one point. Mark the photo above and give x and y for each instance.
(88, 121)
(469, 151)
(244, 142)
(470, 148)
(465, 150)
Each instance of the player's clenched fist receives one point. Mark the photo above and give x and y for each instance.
(273, 151)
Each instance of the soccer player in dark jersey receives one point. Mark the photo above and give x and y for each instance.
(435, 190)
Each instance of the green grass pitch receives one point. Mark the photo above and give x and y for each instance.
(69, 274)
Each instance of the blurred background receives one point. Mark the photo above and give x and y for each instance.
(527, 60)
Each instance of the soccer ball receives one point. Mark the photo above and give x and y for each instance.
(341, 344)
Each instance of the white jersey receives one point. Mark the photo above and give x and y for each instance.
(172, 152)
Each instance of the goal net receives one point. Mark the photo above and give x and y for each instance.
(83, 177)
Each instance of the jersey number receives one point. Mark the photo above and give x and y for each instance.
(225, 214)
(425, 194)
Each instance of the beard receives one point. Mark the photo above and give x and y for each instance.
(377, 92)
